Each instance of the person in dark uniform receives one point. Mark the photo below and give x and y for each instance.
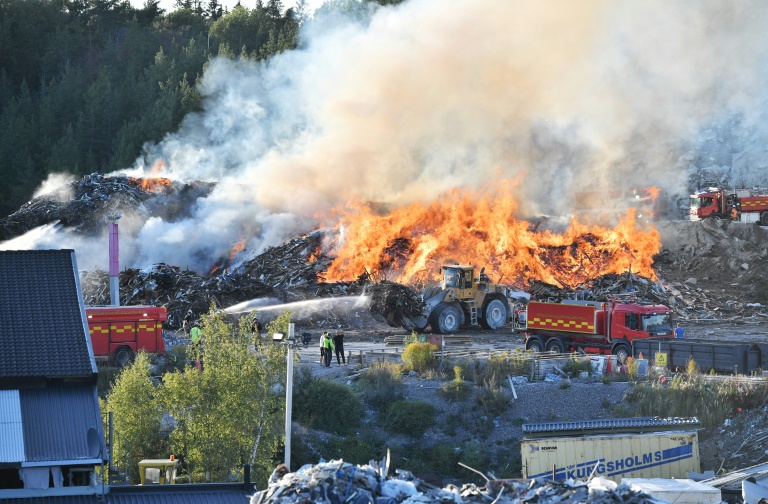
(338, 342)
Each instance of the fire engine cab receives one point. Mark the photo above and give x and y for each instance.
(118, 332)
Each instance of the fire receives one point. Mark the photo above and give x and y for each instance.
(408, 245)
(238, 247)
(153, 184)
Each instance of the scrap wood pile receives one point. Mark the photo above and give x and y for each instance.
(394, 303)
(338, 481)
(82, 204)
(293, 269)
(176, 289)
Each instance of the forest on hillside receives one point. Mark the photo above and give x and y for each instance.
(84, 84)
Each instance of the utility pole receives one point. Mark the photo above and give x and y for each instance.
(289, 397)
(114, 258)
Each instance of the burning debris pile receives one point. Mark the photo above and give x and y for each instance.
(295, 270)
(339, 481)
(176, 289)
(82, 204)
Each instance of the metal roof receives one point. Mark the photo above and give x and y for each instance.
(62, 423)
(11, 433)
(226, 493)
(609, 426)
(43, 332)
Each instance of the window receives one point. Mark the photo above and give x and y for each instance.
(632, 321)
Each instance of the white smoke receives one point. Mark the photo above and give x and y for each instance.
(427, 96)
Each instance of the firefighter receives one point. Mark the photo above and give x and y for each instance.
(734, 213)
(329, 348)
(186, 324)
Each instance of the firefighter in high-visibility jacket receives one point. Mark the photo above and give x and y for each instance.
(194, 340)
(329, 347)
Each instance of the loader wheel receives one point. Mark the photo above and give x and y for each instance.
(447, 319)
(555, 346)
(122, 357)
(534, 345)
(495, 315)
(621, 352)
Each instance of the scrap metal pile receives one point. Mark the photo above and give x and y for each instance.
(338, 481)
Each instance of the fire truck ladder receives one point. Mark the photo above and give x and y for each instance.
(472, 309)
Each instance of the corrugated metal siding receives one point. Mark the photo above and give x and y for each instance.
(56, 422)
(639, 424)
(180, 497)
(42, 331)
(659, 455)
(63, 499)
(11, 433)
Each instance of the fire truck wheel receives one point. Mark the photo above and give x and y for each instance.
(495, 314)
(447, 319)
(621, 352)
(534, 345)
(764, 219)
(122, 357)
(555, 345)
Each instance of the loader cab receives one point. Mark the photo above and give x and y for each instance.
(460, 279)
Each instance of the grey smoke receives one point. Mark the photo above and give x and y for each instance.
(426, 96)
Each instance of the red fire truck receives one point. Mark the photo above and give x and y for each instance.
(595, 327)
(745, 205)
(118, 332)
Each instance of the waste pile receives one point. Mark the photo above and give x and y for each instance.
(81, 205)
(339, 481)
(394, 304)
(176, 289)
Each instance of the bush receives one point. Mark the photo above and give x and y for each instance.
(492, 399)
(326, 405)
(381, 385)
(354, 449)
(419, 356)
(457, 389)
(412, 418)
(576, 365)
(497, 366)
(694, 395)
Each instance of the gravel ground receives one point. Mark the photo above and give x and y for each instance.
(464, 423)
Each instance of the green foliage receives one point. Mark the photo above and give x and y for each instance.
(497, 366)
(106, 378)
(83, 85)
(354, 449)
(419, 356)
(412, 418)
(577, 364)
(493, 399)
(457, 389)
(411, 339)
(692, 368)
(325, 405)
(137, 416)
(632, 366)
(694, 395)
(229, 412)
(279, 325)
(381, 384)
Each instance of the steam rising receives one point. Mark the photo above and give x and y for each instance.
(426, 96)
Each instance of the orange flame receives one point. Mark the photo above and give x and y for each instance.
(410, 244)
(238, 247)
(153, 184)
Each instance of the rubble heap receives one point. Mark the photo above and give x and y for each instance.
(339, 481)
(394, 304)
(82, 204)
(176, 289)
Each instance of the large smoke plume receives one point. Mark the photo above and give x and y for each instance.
(429, 95)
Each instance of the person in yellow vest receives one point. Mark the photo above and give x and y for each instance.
(329, 348)
(194, 339)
